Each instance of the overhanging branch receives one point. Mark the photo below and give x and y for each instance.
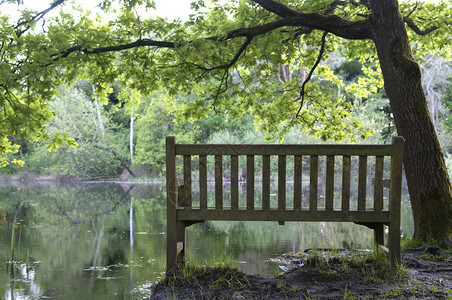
(331, 23)
(36, 17)
(326, 22)
(416, 28)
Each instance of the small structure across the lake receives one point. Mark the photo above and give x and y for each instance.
(183, 210)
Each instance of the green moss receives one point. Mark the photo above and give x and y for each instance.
(402, 59)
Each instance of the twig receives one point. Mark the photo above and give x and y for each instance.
(317, 62)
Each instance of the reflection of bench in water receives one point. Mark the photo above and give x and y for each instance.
(181, 212)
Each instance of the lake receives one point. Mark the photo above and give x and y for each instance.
(108, 241)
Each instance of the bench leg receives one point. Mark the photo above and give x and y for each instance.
(394, 245)
(171, 249)
(181, 244)
(378, 235)
(175, 248)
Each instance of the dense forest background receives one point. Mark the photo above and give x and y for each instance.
(131, 134)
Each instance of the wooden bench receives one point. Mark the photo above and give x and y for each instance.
(374, 214)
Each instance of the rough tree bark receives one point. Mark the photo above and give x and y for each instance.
(428, 181)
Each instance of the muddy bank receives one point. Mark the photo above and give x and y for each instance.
(427, 274)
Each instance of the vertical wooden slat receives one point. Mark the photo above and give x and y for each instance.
(378, 183)
(234, 182)
(218, 182)
(187, 200)
(281, 182)
(329, 193)
(313, 182)
(171, 198)
(203, 181)
(395, 194)
(250, 182)
(297, 185)
(266, 182)
(362, 180)
(346, 163)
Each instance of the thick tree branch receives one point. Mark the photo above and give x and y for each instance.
(331, 23)
(326, 22)
(138, 43)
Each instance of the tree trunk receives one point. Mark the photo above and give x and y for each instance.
(428, 181)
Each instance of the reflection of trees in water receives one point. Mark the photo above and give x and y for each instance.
(63, 204)
(103, 234)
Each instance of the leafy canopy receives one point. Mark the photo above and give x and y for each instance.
(228, 54)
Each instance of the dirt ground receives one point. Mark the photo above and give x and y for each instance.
(427, 274)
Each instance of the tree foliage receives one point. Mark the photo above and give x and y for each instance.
(226, 53)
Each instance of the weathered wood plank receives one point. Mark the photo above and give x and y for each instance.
(218, 181)
(313, 182)
(282, 182)
(329, 193)
(187, 200)
(234, 182)
(346, 164)
(171, 201)
(298, 170)
(266, 182)
(362, 181)
(222, 149)
(203, 181)
(250, 182)
(378, 183)
(286, 215)
(395, 194)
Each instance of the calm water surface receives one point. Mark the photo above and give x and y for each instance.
(107, 241)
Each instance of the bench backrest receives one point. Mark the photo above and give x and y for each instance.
(336, 156)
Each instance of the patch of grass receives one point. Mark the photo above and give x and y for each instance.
(221, 272)
(429, 256)
(448, 293)
(409, 242)
(373, 265)
(218, 278)
(294, 288)
(282, 285)
(393, 293)
(222, 261)
(347, 294)
(373, 275)
(330, 274)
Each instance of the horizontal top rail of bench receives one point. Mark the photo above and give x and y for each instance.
(271, 149)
